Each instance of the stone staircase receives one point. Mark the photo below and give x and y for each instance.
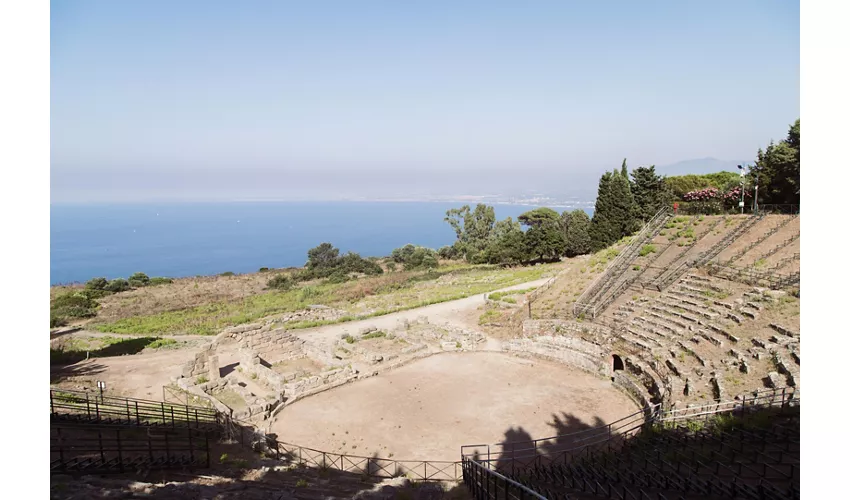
(588, 303)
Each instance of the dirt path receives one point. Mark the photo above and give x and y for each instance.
(455, 313)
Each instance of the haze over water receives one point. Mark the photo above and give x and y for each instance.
(188, 239)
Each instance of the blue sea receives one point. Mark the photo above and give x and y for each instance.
(189, 239)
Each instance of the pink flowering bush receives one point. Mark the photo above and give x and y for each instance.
(707, 194)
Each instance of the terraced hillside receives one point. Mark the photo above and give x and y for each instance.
(711, 310)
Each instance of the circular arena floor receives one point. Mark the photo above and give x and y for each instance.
(427, 409)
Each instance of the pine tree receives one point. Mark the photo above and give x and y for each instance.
(649, 191)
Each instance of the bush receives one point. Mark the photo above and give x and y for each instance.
(263, 269)
(57, 321)
(140, 278)
(73, 305)
(337, 277)
(228, 273)
(118, 285)
(307, 293)
(646, 250)
(414, 257)
(97, 284)
(447, 252)
(281, 282)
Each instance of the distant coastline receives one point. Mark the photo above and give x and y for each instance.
(179, 239)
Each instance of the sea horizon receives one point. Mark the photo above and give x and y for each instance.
(199, 238)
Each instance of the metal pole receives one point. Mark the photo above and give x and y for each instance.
(756, 196)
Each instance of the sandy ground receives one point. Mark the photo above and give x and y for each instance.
(137, 376)
(429, 408)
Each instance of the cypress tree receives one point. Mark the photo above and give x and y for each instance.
(614, 215)
(578, 234)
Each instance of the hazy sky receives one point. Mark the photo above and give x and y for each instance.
(212, 99)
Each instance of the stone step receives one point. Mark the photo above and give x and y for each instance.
(658, 321)
(711, 338)
(644, 337)
(784, 331)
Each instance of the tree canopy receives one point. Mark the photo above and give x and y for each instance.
(615, 212)
(649, 191)
(778, 169)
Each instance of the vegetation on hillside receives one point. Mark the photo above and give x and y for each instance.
(355, 299)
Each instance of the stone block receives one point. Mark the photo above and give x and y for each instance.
(775, 380)
(214, 371)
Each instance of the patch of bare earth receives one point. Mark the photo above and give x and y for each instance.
(429, 408)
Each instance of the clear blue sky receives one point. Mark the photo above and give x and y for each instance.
(202, 94)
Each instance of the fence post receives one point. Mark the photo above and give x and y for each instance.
(61, 447)
(162, 406)
(128, 411)
(88, 408)
(100, 445)
(120, 455)
(51, 402)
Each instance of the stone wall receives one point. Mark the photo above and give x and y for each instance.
(270, 343)
(588, 331)
(204, 362)
(570, 351)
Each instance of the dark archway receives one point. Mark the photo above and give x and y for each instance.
(618, 362)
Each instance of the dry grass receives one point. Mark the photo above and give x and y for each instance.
(182, 307)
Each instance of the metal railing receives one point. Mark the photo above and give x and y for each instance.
(485, 483)
(740, 253)
(85, 407)
(98, 448)
(534, 471)
(584, 304)
(753, 276)
(420, 470)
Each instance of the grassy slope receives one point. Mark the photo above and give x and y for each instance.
(362, 298)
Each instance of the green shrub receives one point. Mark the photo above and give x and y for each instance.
(337, 277)
(280, 282)
(97, 284)
(223, 458)
(350, 339)
(263, 269)
(228, 273)
(141, 278)
(56, 320)
(447, 252)
(73, 305)
(647, 249)
(374, 335)
(301, 483)
(118, 285)
(201, 380)
(307, 293)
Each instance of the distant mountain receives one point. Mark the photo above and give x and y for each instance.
(698, 166)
